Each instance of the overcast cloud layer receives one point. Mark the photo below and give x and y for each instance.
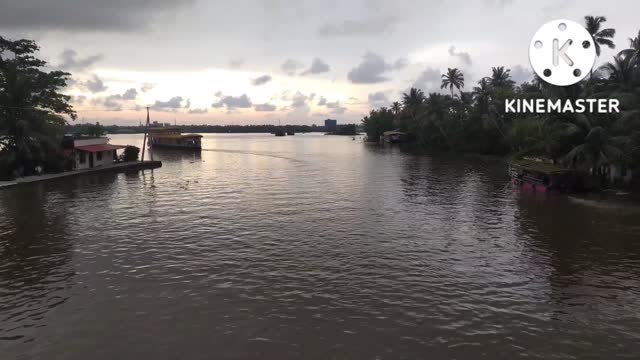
(298, 61)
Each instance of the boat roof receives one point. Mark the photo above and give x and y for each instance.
(387, 133)
(539, 166)
(178, 136)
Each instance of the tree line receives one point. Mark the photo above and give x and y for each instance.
(476, 121)
(94, 129)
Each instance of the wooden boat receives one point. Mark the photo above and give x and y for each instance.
(394, 136)
(541, 176)
(173, 137)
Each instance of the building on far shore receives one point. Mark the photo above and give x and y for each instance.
(330, 125)
(90, 152)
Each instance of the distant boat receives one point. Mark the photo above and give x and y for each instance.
(280, 132)
(290, 133)
(173, 137)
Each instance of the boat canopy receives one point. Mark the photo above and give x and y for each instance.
(539, 166)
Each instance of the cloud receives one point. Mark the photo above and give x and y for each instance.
(70, 62)
(429, 78)
(95, 85)
(520, 74)
(78, 100)
(378, 99)
(236, 63)
(114, 102)
(370, 70)
(264, 107)
(335, 107)
(362, 27)
(233, 102)
(261, 80)
(499, 3)
(169, 105)
(322, 101)
(91, 15)
(198, 111)
(318, 66)
(465, 57)
(299, 100)
(401, 63)
(71, 83)
(130, 94)
(290, 67)
(147, 86)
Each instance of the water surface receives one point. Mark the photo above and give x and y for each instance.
(313, 247)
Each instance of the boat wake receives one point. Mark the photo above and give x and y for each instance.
(256, 153)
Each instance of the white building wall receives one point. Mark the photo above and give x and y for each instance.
(107, 159)
(616, 174)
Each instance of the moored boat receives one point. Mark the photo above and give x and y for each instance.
(173, 137)
(541, 176)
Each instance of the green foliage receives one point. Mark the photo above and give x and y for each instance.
(131, 153)
(96, 130)
(377, 122)
(29, 101)
(476, 121)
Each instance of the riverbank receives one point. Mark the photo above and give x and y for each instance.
(134, 165)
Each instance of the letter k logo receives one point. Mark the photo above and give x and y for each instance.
(561, 52)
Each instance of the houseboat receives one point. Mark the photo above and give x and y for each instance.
(540, 176)
(394, 136)
(173, 137)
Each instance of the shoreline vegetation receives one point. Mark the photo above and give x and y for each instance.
(87, 128)
(604, 147)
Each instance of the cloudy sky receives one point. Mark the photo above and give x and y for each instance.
(294, 61)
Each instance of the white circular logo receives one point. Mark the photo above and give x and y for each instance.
(562, 52)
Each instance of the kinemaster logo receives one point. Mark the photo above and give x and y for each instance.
(562, 53)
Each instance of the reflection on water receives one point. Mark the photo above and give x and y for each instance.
(315, 247)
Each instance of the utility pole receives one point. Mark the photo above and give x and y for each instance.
(144, 142)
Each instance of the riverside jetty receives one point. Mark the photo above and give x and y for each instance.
(118, 167)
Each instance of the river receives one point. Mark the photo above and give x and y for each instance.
(313, 247)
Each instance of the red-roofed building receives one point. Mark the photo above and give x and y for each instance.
(94, 152)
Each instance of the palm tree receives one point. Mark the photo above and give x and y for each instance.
(395, 107)
(453, 78)
(598, 150)
(412, 101)
(500, 77)
(619, 72)
(482, 95)
(633, 53)
(600, 37)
